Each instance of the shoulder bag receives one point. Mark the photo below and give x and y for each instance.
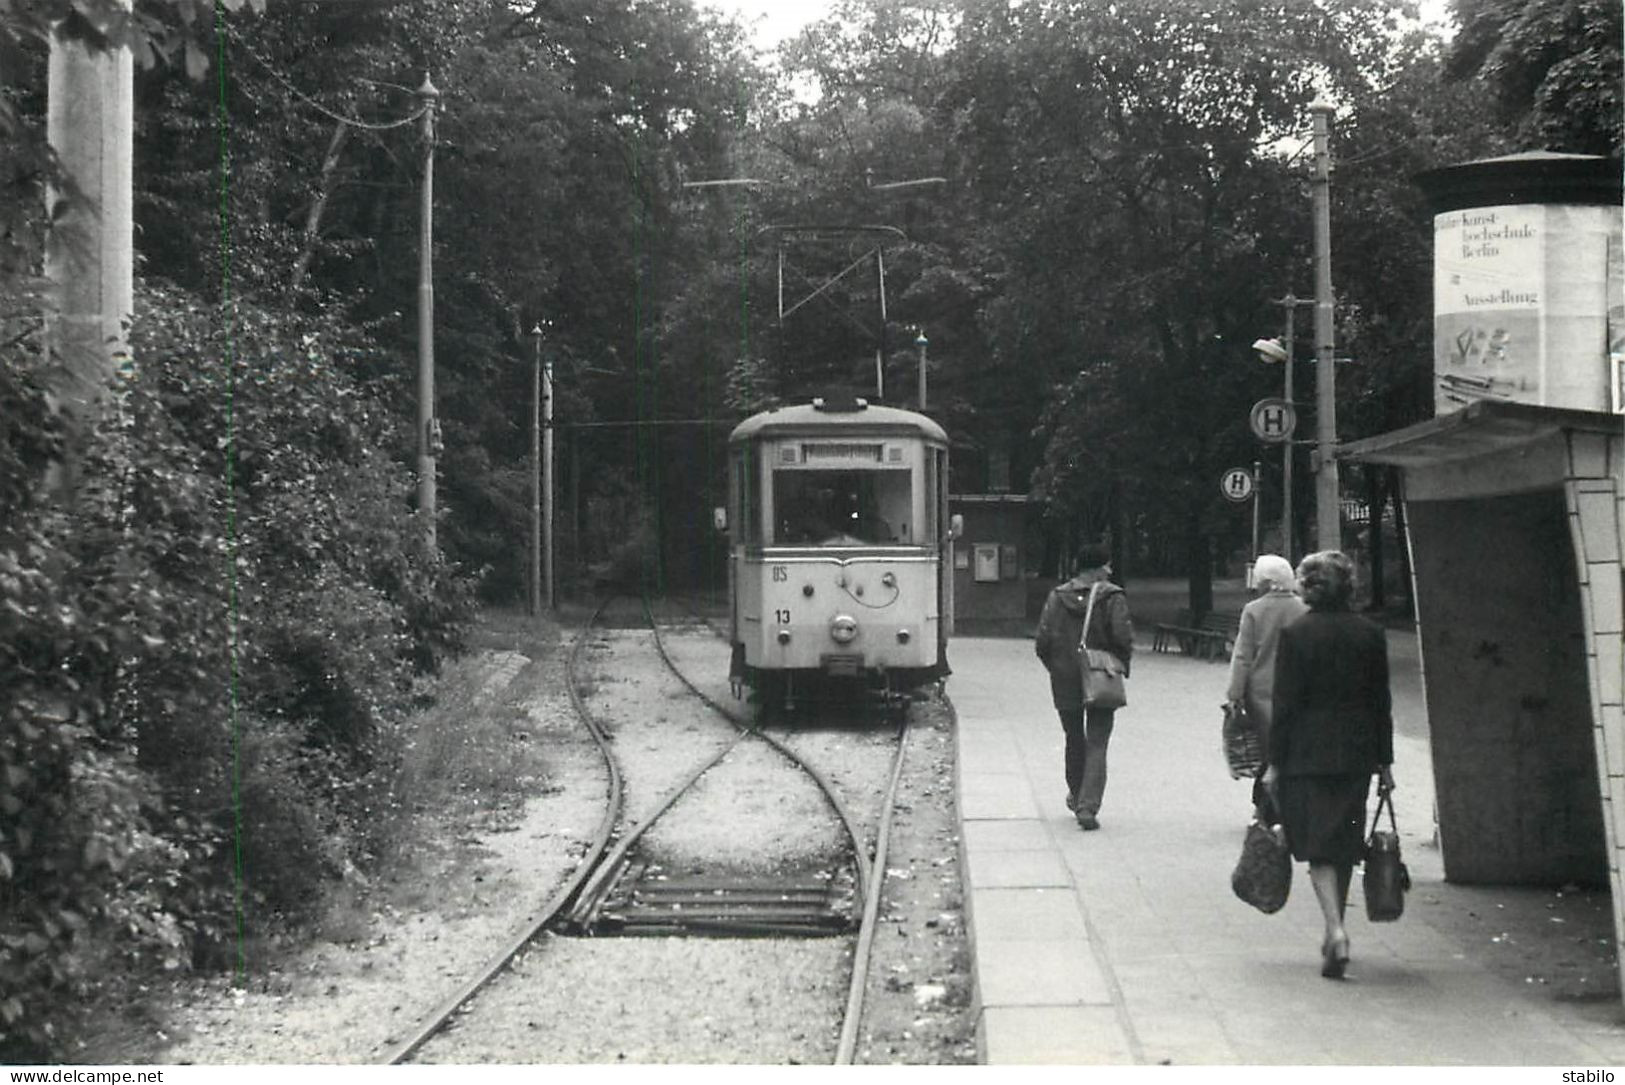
(1102, 672)
(1386, 876)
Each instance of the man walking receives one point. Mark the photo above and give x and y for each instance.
(1058, 640)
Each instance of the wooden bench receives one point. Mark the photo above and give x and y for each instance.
(1216, 636)
(1211, 636)
(1179, 631)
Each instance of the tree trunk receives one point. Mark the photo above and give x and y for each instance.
(1120, 532)
(324, 187)
(1198, 566)
(1376, 477)
(1403, 532)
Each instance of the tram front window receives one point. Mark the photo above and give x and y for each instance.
(841, 508)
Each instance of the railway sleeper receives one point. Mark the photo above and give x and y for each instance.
(738, 921)
(646, 904)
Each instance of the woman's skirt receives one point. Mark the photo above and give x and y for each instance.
(1325, 816)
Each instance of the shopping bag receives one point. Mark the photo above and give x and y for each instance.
(1243, 743)
(1263, 874)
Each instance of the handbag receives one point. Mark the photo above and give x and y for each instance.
(1243, 742)
(1102, 672)
(1263, 874)
(1386, 876)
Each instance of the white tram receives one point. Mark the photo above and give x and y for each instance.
(840, 551)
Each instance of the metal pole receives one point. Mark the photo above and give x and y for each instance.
(534, 600)
(1328, 514)
(547, 476)
(1287, 446)
(1258, 500)
(880, 343)
(575, 499)
(922, 342)
(427, 437)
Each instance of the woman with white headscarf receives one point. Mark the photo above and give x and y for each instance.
(1252, 664)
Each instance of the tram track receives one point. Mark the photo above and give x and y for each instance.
(786, 904)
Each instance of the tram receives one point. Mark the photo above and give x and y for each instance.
(840, 551)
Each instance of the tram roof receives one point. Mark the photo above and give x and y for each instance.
(805, 418)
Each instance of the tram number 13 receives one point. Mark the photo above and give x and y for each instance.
(781, 575)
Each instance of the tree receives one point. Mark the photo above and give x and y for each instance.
(1413, 121)
(1122, 161)
(1553, 68)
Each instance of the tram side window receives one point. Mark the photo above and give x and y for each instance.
(936, 474)
(842, 508)
(748, 513)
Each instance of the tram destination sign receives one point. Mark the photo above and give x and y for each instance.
(845, 451)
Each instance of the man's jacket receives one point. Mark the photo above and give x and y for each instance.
(1059, 628)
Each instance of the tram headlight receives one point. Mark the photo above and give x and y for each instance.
(903, 636)
(784, 636)
(843, 629)
(889, 580)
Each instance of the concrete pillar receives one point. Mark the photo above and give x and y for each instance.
(89, 251)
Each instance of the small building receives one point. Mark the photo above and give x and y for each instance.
(1516, 515)
(990, 564)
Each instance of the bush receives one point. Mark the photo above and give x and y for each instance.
(197, 649)
(76, 850)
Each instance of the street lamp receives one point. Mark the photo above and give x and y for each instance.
(1328, 511)
(1279, 352)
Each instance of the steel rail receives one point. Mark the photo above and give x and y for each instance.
(537, 921)
(869, 888)
(609, 868)
(846, 1048)
(860, 854)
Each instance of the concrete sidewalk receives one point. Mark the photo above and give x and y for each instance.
(1126, 946)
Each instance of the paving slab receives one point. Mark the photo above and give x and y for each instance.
(1126, 946)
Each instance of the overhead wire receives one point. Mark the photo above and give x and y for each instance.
(1372, 156)
(288, 85)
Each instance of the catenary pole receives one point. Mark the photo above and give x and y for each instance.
(534, 580)
(1328, 513)
(547, 477)
(428, 438)
(89, 247)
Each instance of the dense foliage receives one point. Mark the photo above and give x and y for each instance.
(206, 655)
(211, 619)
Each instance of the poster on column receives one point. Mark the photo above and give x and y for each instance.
(1522, 305)
(1488, 286)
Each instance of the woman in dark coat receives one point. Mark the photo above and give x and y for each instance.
(1333, 728)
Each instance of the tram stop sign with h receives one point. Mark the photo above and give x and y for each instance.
(1236, 484)
(1273, 419)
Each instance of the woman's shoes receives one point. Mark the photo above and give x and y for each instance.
(1334, 957)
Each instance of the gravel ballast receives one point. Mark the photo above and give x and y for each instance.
(412, 933)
